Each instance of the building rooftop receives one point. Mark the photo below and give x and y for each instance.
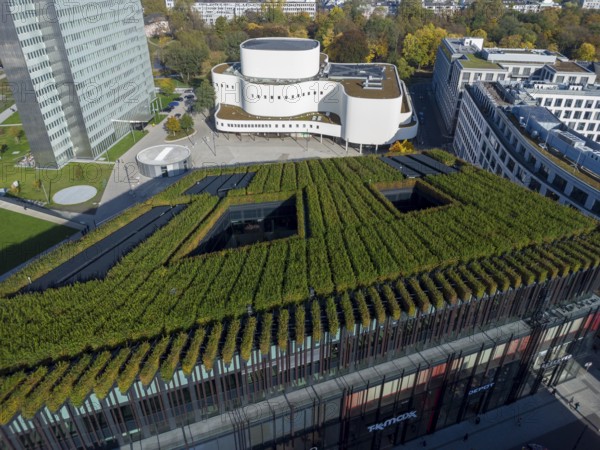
(280, 44)
(162, 306)
(354, 76)
(472, 61)
(568, 67)
(161, 155)
(351, 76)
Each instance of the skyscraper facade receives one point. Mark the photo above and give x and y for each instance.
(80, 74)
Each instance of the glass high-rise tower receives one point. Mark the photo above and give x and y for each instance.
(79, 71)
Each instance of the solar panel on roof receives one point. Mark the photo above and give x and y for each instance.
(201, 185)
(232, 183)
(220, 184)
(414, 165)
(429, 161)
(406, 171)
(246, 180)
(215, 186)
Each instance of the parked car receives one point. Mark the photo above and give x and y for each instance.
(189, 97)
(178, 115)
(179, 99)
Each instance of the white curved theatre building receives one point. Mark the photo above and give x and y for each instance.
(286, 86)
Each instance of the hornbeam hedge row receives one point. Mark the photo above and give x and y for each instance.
(54, 385)
(369, 260)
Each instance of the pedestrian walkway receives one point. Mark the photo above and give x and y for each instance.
(530, 419)
(7, 113)
(39, 213)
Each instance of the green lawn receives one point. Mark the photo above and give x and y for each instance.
(166, 99)
(15, 150)
(73, 174)
(180, 135)
(14, 119)
(119, 149)
(22, 237)
(6, 96)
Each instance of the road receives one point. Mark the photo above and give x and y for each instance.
(430, 133)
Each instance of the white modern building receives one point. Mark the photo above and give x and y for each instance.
(442, 7)
(286, 86)
(80, 76)
(230, 9)
(508, 134)
(530, 6)
(463, 61)
(590, 4)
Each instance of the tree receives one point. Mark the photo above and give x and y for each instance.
(166, 85)
(184, 17)
(419, 49)
(349, 47)
(402, 147)
(154, 7)
(186, 55)
(232, 44)
(173, 126)
(205, 96)
(586, 52)
(17, 133)
(405, 71)
(186, 122)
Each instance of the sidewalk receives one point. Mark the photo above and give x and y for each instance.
(542, 418)
(39, 213)
(7, 113)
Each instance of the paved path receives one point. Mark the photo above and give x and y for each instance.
(545, 419)
(39, 213)
(7, 113)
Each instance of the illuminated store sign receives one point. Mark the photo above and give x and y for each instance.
(485, 387)
(401, 418)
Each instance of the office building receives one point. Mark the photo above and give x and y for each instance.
(80, 76)
(504, 131)
(285, 86)
(463, 61)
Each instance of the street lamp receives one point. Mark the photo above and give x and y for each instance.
(129, 180)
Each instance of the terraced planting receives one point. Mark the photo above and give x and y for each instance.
(355, 262)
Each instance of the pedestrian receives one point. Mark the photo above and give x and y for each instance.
(554, 391)
(577, 406)
(424, 443)
(477, 420)
(466, 437)
(519, 421)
